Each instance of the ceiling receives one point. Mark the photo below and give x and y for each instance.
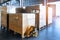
(23, 2)
(3, 1)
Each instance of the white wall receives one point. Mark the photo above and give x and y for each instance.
(57, 8)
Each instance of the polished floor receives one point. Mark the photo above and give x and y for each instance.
(52, 32)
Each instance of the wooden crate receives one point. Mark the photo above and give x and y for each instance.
(15, 22)
(18, 23)
(29, 9)
(4, 17)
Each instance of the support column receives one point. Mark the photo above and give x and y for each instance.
(45, 4)
(46, 15)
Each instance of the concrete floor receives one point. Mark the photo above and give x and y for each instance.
(52, 32)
